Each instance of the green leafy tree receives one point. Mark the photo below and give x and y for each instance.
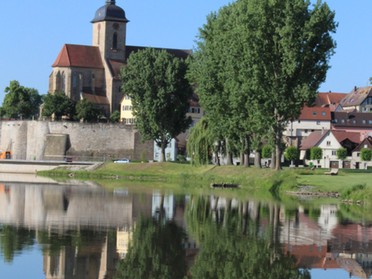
(366, 154)
(155, 81)
(316, 153)
(291, 154)
(20, 102)
(200, 143)
(267, 54)
(115, 116)
(267, 151)
(341, 153)
(87, 111)
(58, 104)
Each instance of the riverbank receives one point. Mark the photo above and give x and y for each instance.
(352, 185)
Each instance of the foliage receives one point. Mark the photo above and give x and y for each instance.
(292, 153)
(58, 104)
(267, 151)
(155, 251)
(366, 154)
(115, 116)
(200, 143)
(155, 81)
(87, 111)
(258, 62)
(316, 153)
(341, 153)
(20, 102)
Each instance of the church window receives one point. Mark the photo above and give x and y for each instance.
(115, 41)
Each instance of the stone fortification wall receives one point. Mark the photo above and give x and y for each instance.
(28, 140)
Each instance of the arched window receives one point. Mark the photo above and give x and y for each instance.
(115, 41)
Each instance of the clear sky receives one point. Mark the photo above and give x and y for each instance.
(33, 33)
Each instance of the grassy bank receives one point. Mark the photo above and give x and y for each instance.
(351, 185)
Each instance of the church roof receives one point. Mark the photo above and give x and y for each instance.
(110, 12)
(79, 56)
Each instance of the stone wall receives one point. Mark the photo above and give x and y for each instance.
(28, 140)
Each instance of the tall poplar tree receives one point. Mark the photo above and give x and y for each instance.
(262, 60)
(155, 80)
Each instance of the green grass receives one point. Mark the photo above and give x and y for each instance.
(262, 183)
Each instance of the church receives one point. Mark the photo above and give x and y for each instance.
(92, 72)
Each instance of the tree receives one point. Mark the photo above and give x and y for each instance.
(58, 104)
(200, 143)
(115, 116)
(20, 102)
(341, 153)
(267, 151)
(316, 153)
(155, 81)
(87, 111)
(366, 154)
(270, 54)
(291, 154)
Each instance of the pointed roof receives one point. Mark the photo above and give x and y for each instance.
(357, 96)
(79, 56)
(316, 137)
(366, 143)
(329, 99)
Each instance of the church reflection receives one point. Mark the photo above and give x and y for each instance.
(84, 231)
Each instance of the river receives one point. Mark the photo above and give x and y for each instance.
(77, 230)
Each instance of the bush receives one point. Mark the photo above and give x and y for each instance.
(316, 153)
(266, 151)
(291, 153)
(342, 153)
(366, 154)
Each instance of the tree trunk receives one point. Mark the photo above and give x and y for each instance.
(247, 150)
(278, 155)
(229, 161)
(162, 155)
(257, 159)
(273, 160)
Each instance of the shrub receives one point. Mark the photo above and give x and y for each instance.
(342, 153)
(366, 154)
(316, 153)
(266, 151)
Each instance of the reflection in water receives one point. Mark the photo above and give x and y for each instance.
(85, 232)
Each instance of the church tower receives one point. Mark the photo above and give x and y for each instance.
(109, 35)
(109, 31)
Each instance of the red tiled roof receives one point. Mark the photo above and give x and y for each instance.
(357, 96)
(367, 141)
(79, 56)
(316, 137)
(330, 99)
(313, 139)
(343, 135)
(315, 113)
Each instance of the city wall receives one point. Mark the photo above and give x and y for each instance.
(45, 140)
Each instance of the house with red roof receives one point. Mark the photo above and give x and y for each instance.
(313, 118)
(330, 141)
(360, 100)
(92, 72)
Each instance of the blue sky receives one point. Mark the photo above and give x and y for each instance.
(33, 33)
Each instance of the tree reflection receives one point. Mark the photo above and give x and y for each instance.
(14, 240)
(234, 246)
(156, 251)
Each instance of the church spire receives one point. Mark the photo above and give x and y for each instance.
(110, 2)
